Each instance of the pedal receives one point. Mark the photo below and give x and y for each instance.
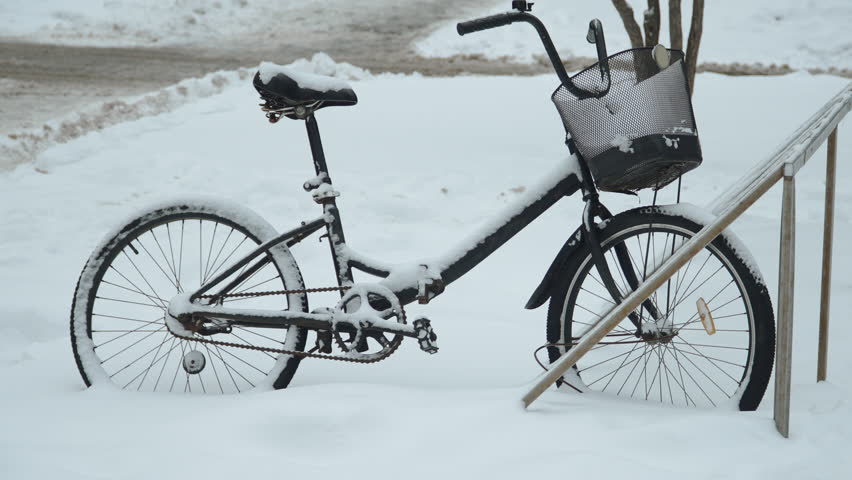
(426, 337)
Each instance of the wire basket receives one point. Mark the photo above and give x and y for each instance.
(638, 130)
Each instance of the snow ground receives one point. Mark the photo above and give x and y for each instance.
(455, 414)
(803, 34)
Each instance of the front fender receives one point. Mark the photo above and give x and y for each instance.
(545, 289)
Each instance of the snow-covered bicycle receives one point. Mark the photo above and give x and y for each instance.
(206, 296)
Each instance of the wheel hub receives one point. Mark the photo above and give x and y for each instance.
(663, 336)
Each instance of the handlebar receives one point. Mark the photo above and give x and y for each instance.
(595, 35)
(485, 23)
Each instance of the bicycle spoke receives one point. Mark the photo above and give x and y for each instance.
(661, 357)
(166, 361)
(137, 358)
(681, 383)
(157, 242)
(152, 296)
(177, 367)
(133, 291)
(230, 368)
(225, 261)
(159, 307)
(144, 278)
(701, 371)
(253, 345)
(127, 333)
(247, 330)
(159, 347)
(210, 252)
(213, 365)
(219, 253)
(710, 359)
(148, 322)
(259, 284)
(172, 254)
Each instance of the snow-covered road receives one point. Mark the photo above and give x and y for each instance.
(420, 161)
(58, 57)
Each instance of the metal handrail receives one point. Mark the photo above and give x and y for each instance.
(784, 163)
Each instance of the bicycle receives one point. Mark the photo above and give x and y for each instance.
(156, 297)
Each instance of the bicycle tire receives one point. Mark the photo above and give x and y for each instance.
(712, 363)
(124, 288)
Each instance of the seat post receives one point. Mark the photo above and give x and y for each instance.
(316, 146)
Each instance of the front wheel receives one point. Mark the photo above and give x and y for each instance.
(683, 356)
(118, 330)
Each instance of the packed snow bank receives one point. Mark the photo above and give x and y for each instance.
(419, 162)
(803, 34)
(21, 147)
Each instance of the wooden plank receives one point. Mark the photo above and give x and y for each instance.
(786, 283)
(827, 241)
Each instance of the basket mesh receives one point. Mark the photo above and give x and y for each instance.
(642, 101)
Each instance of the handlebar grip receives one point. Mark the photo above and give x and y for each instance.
(493, 21)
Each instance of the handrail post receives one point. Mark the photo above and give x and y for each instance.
(827, 240)
(786, 281)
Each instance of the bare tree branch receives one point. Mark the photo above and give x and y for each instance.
(694, 41)
(652, 23)
(626, 13)
(675, 28)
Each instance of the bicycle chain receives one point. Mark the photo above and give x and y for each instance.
(394, 344)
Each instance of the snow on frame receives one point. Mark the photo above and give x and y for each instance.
(413, 274)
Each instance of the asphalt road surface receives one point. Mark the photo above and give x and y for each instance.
(39, 82)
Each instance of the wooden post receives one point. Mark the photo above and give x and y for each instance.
(827, 240)
(786, 277)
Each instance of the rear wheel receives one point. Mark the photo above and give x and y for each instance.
(679, 359)
(118, 330)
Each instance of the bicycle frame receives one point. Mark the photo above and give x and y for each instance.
(407, 283)
(424, 281)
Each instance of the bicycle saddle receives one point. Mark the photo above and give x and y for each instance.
(293, 88)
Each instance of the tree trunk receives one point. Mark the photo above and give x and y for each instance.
(675, 28)
(694, 41)
(652, 23)
(633, 31)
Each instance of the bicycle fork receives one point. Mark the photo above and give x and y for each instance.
(645, 328)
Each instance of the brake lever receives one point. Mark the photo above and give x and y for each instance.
(596, 36)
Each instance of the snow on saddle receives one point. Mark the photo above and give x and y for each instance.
(297, 94)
